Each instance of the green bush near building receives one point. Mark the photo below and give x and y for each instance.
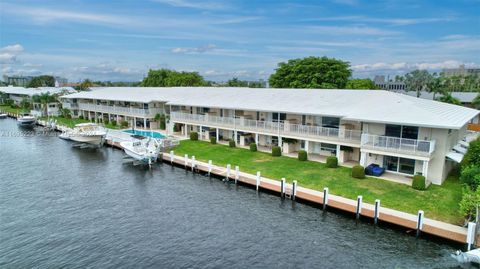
(124, 124)
(213, 140)
(419, 183)
(302, 155)
(194, 136)
(231, 143)
(276, 151)
(358, 171)
(253, 147)
(332, 162)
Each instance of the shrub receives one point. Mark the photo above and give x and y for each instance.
(176, 128)
(124, 123)
(80, 117)
(302, 155)
(358, 171)
(213, 140)
(332, 162)
(113, 122)
(419, 183)
(253, 147)
(469, 202)
(276, 151)
(194, 136)
(231, 143)
(472, 157)
(471, 176)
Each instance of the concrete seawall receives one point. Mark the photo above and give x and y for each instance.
(406, 220)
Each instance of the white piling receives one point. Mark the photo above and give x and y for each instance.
(325, 198)
(185, 160)
(193, 163)
(377, 211)
(228, 171)
(171, 157)
(471, 235)
(282, 188)
(359, 205)
(294, 189)
(420, 221)
(258, 180)
(209, 167)
(237, 173)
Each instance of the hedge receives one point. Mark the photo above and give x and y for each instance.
(471, 176)
(419, 183)
(302, 155)
(213, 140)
(276, 151)
(358, 171)
(332, 162)
(231, 143)
(194, 136)
(124, 123)
(253, 147)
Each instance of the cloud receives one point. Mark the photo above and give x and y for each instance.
(404, 66)
(196, 50)
(206, 5)
(351, 30)
(8, 54)
(242, 74)
(391, 21)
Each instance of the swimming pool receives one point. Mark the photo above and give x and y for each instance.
(145, 133)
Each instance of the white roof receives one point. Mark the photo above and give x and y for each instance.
(33, 91)
(359, 105)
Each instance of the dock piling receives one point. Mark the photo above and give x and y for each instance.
(420, 221)
(294, 189)
(377, 211)
(325, 198)
(471, 235)
(209, 167)
(258, 180)
(237, 173)
(171, 157)
(228, 171)
(359, 206)
(282, 188)
(185, 159)
(193, 163)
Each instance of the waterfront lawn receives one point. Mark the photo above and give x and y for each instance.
(438, 202)
(66, 122)
(9, 109)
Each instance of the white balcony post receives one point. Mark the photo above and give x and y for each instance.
(306, 146)
(145, 123)
(338, 154)
(425, 169)
(363, 158)
(256, 138)
(217, 134)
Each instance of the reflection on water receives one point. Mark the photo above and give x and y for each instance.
(67, 207)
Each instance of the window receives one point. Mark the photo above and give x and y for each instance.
(390, 163)
(400, 165)
(330, 122)
(304, 119)
(410, 132)
(329, 147)
(393, 130)
(275, 115)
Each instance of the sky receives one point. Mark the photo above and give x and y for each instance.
(120, 40)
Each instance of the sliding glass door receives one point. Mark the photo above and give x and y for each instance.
(399, 165)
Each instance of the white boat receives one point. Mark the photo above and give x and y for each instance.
(472, 256)
(26, 120)
(3, 116)
(144, 150)
(87, 133)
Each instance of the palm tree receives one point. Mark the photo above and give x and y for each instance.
(44, 99)
(418, 80)
(476, 102)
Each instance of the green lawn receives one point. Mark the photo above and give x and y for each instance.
(9, 109)
(438, 202)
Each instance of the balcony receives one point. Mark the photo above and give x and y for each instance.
(70, 105)
(423, 148)
(127, 111)
(283, 128)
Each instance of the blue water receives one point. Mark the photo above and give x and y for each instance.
(63, 207)
(145, 133)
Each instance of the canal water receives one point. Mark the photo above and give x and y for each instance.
(63, 207)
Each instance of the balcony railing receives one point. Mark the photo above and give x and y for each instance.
(398, 145)
(130, 111)
(282, 128)
(70, 105)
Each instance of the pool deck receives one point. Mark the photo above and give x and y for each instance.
(406, 220)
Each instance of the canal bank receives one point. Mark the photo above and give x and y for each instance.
(358, 207)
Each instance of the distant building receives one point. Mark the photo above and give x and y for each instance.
(60, 82)
(20, 81)
(388, 85)
(460, 71)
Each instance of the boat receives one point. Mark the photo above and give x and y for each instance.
(142, 149)
(472, 256)
(3, 116)
(26, 120)
(86, 133)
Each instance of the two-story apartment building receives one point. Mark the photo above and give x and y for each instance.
(404, 134)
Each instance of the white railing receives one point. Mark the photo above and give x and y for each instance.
(119, 110)
(70, 105)
(399, 145)
(274, 128)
